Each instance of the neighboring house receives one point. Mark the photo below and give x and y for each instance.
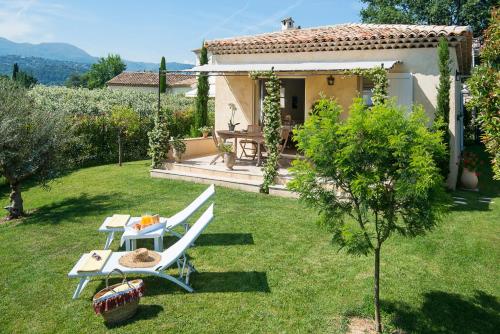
(310, 62)
(148, 81)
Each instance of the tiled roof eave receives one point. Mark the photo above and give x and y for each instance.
(131, 84)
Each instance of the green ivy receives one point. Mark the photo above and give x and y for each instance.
(272, 126)
(378, 75)
(159, 138)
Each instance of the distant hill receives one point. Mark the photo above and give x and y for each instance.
(56, 51)
(50, 62)
(46, 71)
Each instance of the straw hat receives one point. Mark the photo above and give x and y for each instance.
(140, 258)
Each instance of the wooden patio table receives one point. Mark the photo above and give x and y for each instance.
(257, 137)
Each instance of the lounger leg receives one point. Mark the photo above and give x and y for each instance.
(81, 285)
(158, 244)
(109, 240)
(127, 245)
(176, 281)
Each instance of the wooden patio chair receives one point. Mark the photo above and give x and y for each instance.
(253, 128)
(218, 144)
(285, 133)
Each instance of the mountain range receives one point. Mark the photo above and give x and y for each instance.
(41, 60)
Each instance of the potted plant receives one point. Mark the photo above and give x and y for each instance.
(178, 147)
(470, 162)
(229, 155)
(205, 130)
(231, 125)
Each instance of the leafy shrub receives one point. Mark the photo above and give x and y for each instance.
(94, 139)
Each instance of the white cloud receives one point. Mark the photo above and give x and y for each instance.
(28, 20)
(272, 20)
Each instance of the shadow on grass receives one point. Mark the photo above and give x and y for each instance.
(218, 239)
(443, 312)
(144, 312)
(74, 207)
(205, 282)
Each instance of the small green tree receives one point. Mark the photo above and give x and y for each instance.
(126, 121)
(484, 86)
(203, 87)
(31, 142)
(159, 138)
(15, 71)
(76, 80)
(443, 100)
(163, 76)
(370, 176)
(105, 69)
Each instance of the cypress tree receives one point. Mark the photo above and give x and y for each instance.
(163, 76)
(201, 115)
(443, 98)
(15, 71)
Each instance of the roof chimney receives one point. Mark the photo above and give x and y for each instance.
(287, 24)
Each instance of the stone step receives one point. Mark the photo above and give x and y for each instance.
(229, 182)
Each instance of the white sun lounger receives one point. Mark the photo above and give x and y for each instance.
(175, 254)
(167, 225)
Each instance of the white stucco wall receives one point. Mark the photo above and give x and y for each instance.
(170, 90)
(422, 63)
(136, 88)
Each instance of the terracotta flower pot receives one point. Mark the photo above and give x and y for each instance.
(469, 179)
(229, 160)
(205, 134)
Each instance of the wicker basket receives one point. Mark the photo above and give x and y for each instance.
(119, 305)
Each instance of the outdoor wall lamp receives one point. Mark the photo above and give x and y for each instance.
(330, 80)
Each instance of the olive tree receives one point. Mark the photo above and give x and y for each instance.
(31, 142)
(370, 176)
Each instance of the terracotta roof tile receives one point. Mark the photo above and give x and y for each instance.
(151, 79)
(351, 36)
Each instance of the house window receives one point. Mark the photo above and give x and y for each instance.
(366, 91)
(282, 97)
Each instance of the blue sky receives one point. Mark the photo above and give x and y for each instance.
(146, 30)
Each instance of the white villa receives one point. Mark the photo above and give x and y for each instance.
(311, 61)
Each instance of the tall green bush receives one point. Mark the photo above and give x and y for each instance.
(484, 86)
(163, 76)
(203, 87)
(443, 100)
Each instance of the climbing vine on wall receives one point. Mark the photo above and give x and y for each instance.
(377, 75)
(272, 126)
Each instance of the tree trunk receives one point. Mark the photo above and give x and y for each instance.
(119, 149)
(16, 208)
(376, 299)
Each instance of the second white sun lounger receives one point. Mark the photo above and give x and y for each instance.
(167, 224)
(174, 255)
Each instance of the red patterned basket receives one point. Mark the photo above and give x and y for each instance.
(118, 302)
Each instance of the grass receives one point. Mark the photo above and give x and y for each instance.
(264, 265)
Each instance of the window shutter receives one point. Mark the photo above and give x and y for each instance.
(401, 87)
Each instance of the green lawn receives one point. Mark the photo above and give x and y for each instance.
(264, 265)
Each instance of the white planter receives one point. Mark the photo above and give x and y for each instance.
(469, 179)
